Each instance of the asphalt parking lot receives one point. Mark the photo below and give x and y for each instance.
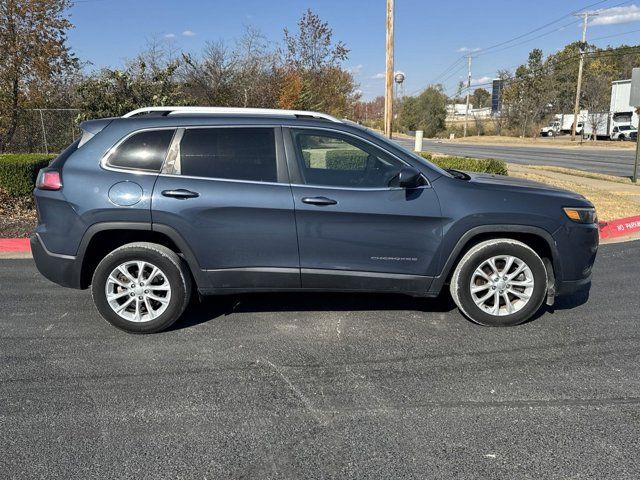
(321, 386)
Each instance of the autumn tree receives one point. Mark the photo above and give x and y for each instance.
(33, 49)
(313, 77)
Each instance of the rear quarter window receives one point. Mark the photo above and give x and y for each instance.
(142, 151)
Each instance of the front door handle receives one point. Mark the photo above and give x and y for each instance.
(319, 201)
(181, 193)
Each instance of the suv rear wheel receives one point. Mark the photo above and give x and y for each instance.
(141, 287)
(499, 282)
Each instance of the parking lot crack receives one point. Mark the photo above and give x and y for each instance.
(317, 414)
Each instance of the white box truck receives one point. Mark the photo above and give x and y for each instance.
(562, 124)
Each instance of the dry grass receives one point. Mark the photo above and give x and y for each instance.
(581, 173)
(556, 142)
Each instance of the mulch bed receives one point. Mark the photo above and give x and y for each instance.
(17, 216)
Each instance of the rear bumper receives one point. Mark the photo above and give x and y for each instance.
(64, 270)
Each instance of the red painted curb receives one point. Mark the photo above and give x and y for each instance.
(14, 245)
(619, 227)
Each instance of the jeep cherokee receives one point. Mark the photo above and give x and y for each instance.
(165, 200)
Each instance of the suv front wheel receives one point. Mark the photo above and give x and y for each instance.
(499, 283)
(141, 287)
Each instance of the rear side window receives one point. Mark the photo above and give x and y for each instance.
(142, 151)
(229, 153)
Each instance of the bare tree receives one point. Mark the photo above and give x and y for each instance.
(210, 79)
(596, 93)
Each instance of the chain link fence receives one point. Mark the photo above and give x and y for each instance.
(45, 130)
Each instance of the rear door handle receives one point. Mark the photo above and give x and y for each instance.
(180, 193)
(319, 201)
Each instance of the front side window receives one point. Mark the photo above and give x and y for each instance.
(229, 153)
(142, 151)
(336, 160)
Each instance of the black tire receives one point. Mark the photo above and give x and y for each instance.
(622, 138)
(461, 281)
(175, 272)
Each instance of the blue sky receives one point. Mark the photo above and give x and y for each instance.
(430, 35)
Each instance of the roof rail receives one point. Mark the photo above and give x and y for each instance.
(228, 110)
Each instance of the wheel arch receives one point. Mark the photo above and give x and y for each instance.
(102, 238)
(537, 238)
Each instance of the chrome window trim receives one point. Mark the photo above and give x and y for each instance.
(341, 132)
(378, 189)
(104, 161)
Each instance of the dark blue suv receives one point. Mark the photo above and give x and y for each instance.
(148, 207)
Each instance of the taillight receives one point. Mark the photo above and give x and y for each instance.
(49, 180)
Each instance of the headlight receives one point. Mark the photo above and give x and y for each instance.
(581, 214)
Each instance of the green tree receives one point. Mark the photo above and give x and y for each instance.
(427, 111)
(113, 93)
(481, 98)
(33, 49)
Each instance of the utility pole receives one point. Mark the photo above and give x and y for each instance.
(388, 93)
(466, 113)
(576, 109)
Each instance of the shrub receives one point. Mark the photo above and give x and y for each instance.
(478, 165)
(18, 172)
(346, 159)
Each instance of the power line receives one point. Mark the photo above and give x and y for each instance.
(487, 50)
(601, 53)
(545, 25)
(615, 35)
(562, 27)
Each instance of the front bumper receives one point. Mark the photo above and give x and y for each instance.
(65, 270)
(577, 247)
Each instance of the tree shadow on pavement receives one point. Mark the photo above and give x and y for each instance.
(209, 308)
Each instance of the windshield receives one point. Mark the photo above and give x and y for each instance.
(625, 127)
(413, 155)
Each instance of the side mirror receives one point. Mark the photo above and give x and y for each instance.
(409, 177)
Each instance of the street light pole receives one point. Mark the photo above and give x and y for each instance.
(388, 94)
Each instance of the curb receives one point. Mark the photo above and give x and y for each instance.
(14, 245)
(619, 228)
(613, 229)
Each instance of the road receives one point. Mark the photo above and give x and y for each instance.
(321, 386)
(599, 160)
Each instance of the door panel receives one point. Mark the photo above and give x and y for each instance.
(387, 231)
(241, 229)
(349, 220)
